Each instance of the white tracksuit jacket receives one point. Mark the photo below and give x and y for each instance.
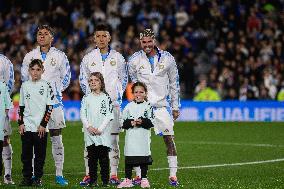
(7, 72)
(113, 69)
(163, 83)
(56, 70)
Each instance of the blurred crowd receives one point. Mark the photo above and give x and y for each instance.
(234, 48)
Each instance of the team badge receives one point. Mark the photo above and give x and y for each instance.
(161, 66)
(41, 90)
(112, 63)
(53, 62)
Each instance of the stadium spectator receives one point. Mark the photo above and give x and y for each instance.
(230, 34)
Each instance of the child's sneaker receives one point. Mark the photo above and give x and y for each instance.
(126, 183)
(145, 183)
(61, 180)
(85, 180)
(114, 180)
(8, 179)
(173, 181)
(136, 180)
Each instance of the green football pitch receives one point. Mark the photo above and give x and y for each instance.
(210, 155)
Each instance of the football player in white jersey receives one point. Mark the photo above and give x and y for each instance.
(112, 65)
(158, 70)
(57, 72)
(7, 76)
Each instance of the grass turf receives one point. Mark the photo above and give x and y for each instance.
(219, 145)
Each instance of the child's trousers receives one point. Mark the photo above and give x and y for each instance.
(33, 144)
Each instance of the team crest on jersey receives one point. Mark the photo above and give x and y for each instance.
(161, 66)
(28, 96)
(93, 64)
(41, 90)
(112, 63)
(53, 62)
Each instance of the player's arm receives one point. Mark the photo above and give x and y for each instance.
(42, 127)
(83, 77)
(122, 72)
(25, 69)
(9, 75)
(147, 122)
(132, 70)
(174, 88)
(65, 73)
(127, 122)
(22, 128)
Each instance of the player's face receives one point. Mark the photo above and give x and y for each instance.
(95, 84)
(102, 39)
(44, 37)
(147, 44)
(139, 94)
(36, 72)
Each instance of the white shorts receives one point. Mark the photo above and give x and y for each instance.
(7, 127)
(115, 123)
(163, 122)
(57, 120)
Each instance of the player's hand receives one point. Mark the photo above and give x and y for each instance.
(22, 129)
(133, 123)
(92, 130)
(175, 114)
(41, 131)
(138, 122)
(98, 132)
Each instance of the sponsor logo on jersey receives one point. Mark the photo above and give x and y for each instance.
(93, 64)
(28, 96)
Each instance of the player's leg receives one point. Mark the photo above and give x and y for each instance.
(86, 178)
(26, 158)
(127, 183)
(55, 125)
(40, 145)
(164, 127)
(93, 157)
(104, 164)
(114, 153)
(7, 152)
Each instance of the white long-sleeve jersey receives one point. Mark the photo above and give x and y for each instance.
(162, 83)
(7, 72)
(56, 69)
(113, 69)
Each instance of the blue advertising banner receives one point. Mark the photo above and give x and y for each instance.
(211, 111)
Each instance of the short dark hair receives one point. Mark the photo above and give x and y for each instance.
(102, 27)
(47, 27)
(36, 62)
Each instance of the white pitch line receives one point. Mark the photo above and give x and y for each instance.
(201, 166)
(232, 143)
(225, 164)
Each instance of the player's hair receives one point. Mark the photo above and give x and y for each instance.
(47, 27)
(103, 27)
(101, 78)
(140, 84)
(36, 62)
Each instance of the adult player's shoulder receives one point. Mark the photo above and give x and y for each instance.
(57, 51)
(135, 56)
(89, 55)
(166, 53)
(3, 58)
